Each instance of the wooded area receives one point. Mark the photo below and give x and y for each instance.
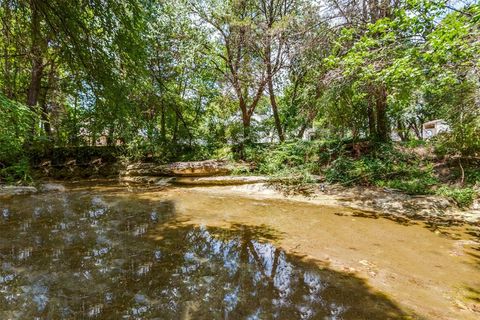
(240, 159)
(193, 78)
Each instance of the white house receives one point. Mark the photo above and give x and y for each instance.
(434, 127)
(309, 134)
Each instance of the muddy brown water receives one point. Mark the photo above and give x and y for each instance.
(112, 253)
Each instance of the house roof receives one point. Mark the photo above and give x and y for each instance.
(434, 121)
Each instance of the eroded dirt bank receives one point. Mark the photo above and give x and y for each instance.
(430, 270)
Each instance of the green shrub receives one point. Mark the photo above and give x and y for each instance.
(17, 173)
(273, 159)
(410, 185)
(343, 170)
(414, 143)
(472, 175)
(16, 122)
(462, 196)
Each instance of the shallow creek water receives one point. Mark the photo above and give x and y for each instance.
(112, 253)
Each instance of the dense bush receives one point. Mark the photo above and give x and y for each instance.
(296, 163)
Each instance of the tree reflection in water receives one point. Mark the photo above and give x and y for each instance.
(83, 255)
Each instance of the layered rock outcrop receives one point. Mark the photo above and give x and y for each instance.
(192, 172)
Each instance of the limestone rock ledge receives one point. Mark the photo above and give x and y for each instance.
(182, 169)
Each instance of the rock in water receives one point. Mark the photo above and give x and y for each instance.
(52, 187)
(16, 190)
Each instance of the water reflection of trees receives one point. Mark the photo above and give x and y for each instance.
(80, 256)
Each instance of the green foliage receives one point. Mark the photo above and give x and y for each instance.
(303, 156)
(462, 196)
(293, 163)
(180, 80)
(298, 162)
(19, 172)
(416, 182)
(16, 126)
(457, 102)
(386, 168)
(276, 158)
(472, 175)
(415, 143)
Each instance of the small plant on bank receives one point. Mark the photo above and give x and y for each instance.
(464, 197)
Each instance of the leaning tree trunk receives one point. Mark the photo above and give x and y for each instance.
(413, 126)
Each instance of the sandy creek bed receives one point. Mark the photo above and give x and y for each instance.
(374, 267)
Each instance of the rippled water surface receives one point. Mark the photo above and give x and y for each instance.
(78, 255)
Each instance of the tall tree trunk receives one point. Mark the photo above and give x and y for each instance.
(372, 125)
(37, 59)
(271, 91)
(273, 102)
(72, 130)
(246, 119)
(45, 114)
(37, 65)
(175, 130)
(163, 131)
(381, 114)
(44, 103)
(7, 88)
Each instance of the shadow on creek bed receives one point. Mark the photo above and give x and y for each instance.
(83, 254)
